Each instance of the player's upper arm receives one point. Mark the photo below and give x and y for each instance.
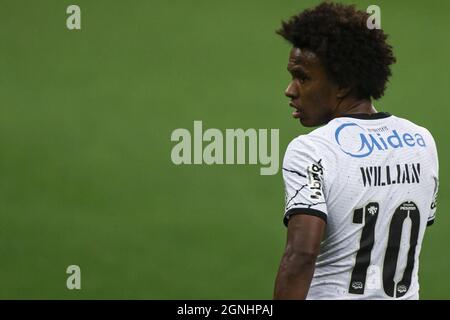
(304, 235)
(303, 174)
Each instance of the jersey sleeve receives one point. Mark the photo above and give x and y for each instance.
(303, 175)
(435, 173)
(433, 205)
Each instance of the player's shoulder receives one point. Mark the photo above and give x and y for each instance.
(312, 140)
(315, 144)
(410, 125)
(318, 138)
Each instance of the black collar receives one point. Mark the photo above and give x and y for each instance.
(368, 116)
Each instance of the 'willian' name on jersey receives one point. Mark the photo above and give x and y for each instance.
(387, 175)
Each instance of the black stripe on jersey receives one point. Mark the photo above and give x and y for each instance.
(296, 172)
(430, 222)
(307, 211)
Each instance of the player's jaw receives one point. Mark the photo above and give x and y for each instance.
(308, 118)
(301, 114)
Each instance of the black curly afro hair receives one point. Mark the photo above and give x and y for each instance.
(352, 54)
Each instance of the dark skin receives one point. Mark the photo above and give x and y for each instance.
(298, 262)
(317, 100)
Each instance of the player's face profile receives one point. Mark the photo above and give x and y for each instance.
(312, 93)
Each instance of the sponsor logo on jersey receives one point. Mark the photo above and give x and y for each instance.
(402, 289)
(370, 142)
(408, 206)
(315, 172)
(436, 187)
(357, 285)
(433, 204)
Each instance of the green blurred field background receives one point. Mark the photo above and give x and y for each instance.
(85, 122)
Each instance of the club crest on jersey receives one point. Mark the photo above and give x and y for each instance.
(368, 142)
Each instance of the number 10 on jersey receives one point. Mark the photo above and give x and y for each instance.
(367, 216)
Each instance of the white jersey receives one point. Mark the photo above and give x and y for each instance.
(374, 180)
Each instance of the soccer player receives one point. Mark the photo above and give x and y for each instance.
(361, 189)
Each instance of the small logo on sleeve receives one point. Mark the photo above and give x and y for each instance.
(315, 172)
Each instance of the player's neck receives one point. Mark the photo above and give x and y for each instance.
(355, 106)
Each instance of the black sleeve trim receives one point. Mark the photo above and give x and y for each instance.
(307, 211)
(430, 222)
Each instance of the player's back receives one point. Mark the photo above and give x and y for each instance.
(374, 180)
